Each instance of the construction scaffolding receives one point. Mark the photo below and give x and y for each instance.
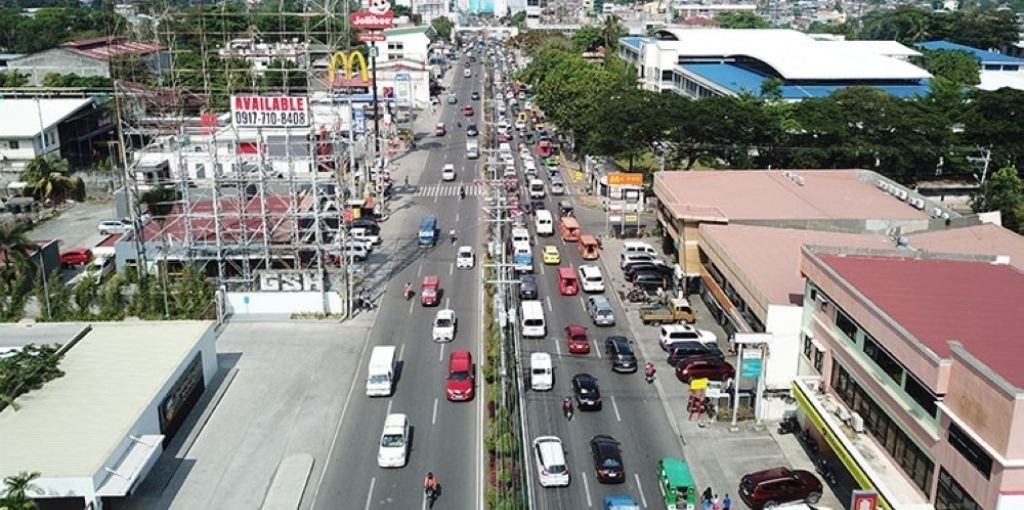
(239, 198)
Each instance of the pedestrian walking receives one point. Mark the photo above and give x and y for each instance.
(706, 504)
(716, 504)
(726, 503)
(706, 495)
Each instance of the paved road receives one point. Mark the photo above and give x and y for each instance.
(446, 436)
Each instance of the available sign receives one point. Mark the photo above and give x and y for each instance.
(270, 111)
(625, 179)
(369, 20)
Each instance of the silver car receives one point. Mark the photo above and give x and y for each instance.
(600, 310)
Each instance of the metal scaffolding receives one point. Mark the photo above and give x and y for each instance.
(236, 201)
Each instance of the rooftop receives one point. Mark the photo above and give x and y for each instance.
(769, 257)
(105, 48)
(36, 115)
(740, 79)
(239, 222)
(980, 304)
(985, 239)
(419, 29)
(985, 57)
(731, 195)
(70, 427)
(793, 55)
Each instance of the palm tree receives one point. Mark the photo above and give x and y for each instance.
(15, 247)
(17, 487)
(612, 31)
(48, 176)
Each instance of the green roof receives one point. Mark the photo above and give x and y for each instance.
(422, 29)
(677, 472)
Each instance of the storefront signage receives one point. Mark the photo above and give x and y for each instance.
(270, 111)
(348, 63)
(290, 281)
(864, 500)
(372, 37)
(181, 398)
(625, 179)
(377, 16)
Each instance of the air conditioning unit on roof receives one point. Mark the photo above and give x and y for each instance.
(936, 212)
(857, 423)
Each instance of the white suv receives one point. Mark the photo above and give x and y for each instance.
(444, 326)
(394, 441)
(465, 258)
(550, 457)
(448, 172)
(113, 226)
(673, 333)
(591, 279)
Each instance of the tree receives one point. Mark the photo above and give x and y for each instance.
(741, 19)
(12, 79)
(1002, 192)
(130, 67)
(15, 248)
(192, 295)
(587, 38)
(957, 66)
(54, 298)
(518, 19)
(611, 31)
(638, 119)
(160, 201)
(984, 28)
(443, 26)
(71, 80)
(906, 24)
(993, 120)
(17, 488)
(284, 76)
(48, 177)
(28, 369)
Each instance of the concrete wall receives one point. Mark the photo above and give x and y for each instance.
(784, 323)
(283, 303)
(57, 60)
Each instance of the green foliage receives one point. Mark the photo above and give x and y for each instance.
(993, 120)
(587, 38)
(16, 491)
(284, 76)
(51, 26)
(191, 295)
(518, 19)
(12, 79)
(957, 66)
(111, 300)
(159, 201)
(443, 26)
(130, 67)
(28, 369)
(1003, 192)
(71, 80)
(48, 178)
(741, 19)
(54, 298)
(971, 26)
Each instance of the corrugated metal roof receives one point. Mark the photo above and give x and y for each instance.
(986, 239)
(35, 115)
(978, 304)
(742, 80)
(70, 427)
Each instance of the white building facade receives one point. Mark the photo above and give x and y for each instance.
(29, 128)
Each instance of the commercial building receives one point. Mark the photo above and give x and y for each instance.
(261, 54)
(911, 374)
(997, 70)
(65, 127)
(88, 57)
(704, 62)
(94, 433)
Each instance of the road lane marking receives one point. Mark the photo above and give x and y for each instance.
(558, 348)
(583, 304)
(411, 303)
(448, 302)
(586, 488)
(389, 406)
(548, 299)
(441, 356)
(419, 271)
(597, 349)
(614, 405)
(456, 217)
(369, 495)
(451, 269)
(643, 498)
(542, 269)
(433, 418)
(401, 353)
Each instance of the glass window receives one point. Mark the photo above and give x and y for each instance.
(971, 450)
(666, 75)
(921, 394)
(13, 144)
(883, 359)
(951, 496)
(807, 347)
(846, 325)
(819, 358)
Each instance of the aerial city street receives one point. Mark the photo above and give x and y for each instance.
(511, 254)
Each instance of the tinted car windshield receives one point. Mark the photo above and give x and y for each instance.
(459, 376)
(391, 440)
(610, 462)
(444, 323)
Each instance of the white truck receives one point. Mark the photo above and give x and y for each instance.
(380, 376)
(472, 149)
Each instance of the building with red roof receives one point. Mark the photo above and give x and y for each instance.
(89, 57)
(911, 373)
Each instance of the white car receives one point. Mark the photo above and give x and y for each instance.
(444, 325)
(448, 172)
(520, 125)
(673, 333)
(465, 258)
(363, 234)
(591, 279)
(550, 458)
(394, 441)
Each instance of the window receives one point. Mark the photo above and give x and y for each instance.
(13, 144)
(819, 357)
(883, 359)
(971, 451)
(921, 394)
(846, 325)
(808, 347)
(666, 75)
(396, 46)
(951, 496)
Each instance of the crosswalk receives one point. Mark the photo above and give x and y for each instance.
(449, 190)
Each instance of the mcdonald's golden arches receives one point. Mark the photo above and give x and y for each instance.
(347, 63)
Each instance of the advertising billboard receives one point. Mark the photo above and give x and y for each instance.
(270, 111)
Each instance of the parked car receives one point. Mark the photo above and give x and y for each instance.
(633, 271)
(620, 351)
(75, 257)
(710, 367)
(106, 227)
(772, 487)
(527, 286)
(672, 333)
(586, 391)
(680, 351)
(607, 455)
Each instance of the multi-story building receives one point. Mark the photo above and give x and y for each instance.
(997, 70)
(912, 374)
(261, 54)
(65, 127)
(704, 62)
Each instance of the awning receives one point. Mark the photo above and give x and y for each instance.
(133, 466)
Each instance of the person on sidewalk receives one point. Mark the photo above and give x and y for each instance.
(706, 495)
(726, 503)
(716, 504)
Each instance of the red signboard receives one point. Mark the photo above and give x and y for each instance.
(367, 20)
(864, 500)
(372, 37)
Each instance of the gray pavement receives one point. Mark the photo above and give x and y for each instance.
(76, 227)
(281, 386)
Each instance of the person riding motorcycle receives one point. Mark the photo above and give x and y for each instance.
(407, 290)
(649, 371)
(430, 485)
(453, 235)
(462, 191)
(567, 405)
(459, 123)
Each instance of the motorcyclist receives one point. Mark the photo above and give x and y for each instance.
(407, 290)
(649, 371)
(430, 484)
(567, 406)
(453, 235)
(459, 123)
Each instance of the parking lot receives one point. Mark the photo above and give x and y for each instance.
(282, 391)
(75, 227)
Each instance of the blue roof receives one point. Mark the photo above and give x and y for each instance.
(634, 42)
(742, 80)
(619, 502)
(982, 55)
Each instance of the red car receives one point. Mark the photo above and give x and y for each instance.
(430, 290)
(468, 111)
(577, 338)
(76, 257)
(777, 486)
(704, 367)
(459, 387)
(440, 130)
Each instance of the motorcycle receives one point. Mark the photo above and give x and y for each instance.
(789, 425)
(636, 296)
(808, 441)
(567, 409)
(408, 292)
(825, 470)
(649, 374)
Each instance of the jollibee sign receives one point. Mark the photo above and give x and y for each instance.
(378, 16)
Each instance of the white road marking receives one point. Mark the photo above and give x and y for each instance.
(448, 302)
(389, 406)
(643, 498)
(433, 418)
(597, 349)
(369, 495)
(548, 300)
(586, 488)
(401, 353)
(456, 217)
(542, 269)
(558, 348)
(614, 405)
(451, 269)
(419, 271)
(583, 304)
(411, 304)
(440, 357)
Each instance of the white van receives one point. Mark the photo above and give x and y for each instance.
(544, 223)
(591, 279)
(541, 372)
(380, 377)
(638, 247)
(536, 188)
(533, 320)
(520, 235)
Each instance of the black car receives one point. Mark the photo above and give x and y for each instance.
(686, 349)
(607, 455)
(632, 268)
(527, 286)
(621, 353)
(475, 96)
(471, 130)
(651, 277)
(588, 394)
